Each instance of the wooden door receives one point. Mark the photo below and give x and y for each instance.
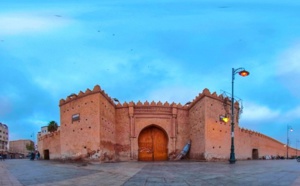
(153, 144)
(160, 143)
(146, 145)
(46, 154)
(255, 154)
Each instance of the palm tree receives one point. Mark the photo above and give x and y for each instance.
(52, 126)
(30, 146)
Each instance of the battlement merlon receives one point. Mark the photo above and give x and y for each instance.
(251, 132)
(207, 93)
(97, 89)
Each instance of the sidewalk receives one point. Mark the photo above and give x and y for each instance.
(6, 178)
(53, 173)
(180, 173)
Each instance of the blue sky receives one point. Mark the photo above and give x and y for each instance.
(150, 50)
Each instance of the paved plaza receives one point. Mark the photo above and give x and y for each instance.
(23, 172)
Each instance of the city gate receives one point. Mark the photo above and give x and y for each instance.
(153, 144)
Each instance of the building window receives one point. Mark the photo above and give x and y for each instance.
(75, 117)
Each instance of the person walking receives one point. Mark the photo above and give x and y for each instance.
(2, 157)
(32, 155)
(38, 155)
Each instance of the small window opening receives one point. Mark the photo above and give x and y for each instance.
(75, 117)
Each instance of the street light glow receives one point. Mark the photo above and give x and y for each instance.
(224, 119)
(244, 73)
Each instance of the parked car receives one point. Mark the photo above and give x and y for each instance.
(298, 158)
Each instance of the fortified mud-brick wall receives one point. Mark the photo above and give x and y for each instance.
(264, 145)
(52, 143)
(182, 129)
(93, 126)
(80, 124)
(293, 152)
(197, 127)
(217, 132)
(107, 127)
(123, 133)
(245, 141)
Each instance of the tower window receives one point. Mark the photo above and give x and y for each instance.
(75, 117)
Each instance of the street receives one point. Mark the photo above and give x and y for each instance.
(46, 173)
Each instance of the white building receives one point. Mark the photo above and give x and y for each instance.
(44, 130)
(3, 137)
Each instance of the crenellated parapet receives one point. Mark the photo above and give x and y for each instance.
(247, 131)
(49, 135)
(205, 93)
(214, 95)
(257, 134)
(96, 89)
(151, 104)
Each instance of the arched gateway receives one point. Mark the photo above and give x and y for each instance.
(153, 144)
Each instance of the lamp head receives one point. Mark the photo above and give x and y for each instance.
(224, 119)
(115, 99)
(188, 103)
(244, 73)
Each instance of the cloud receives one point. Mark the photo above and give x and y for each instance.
(293, 113)
(172, 94)
(255, 112)
(5, 106)
(288, 62)
(288, 68)
(23, 23)
(37, 122)
(259, 117)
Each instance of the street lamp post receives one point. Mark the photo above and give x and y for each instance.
(288, 128)
(297, 141)
(243, 73)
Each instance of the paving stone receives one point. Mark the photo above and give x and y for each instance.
(156, 179)
(49, 173)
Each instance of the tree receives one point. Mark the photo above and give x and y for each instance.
(30, 146)
(52, 126)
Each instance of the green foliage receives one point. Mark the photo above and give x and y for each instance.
(52, 126)
(30, 146)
